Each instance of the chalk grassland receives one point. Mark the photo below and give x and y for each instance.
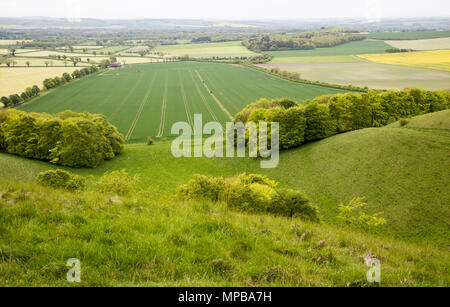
(435, 59)
(421, 44)
(207, 50)
(16, 80)
(316, 59)
(148, 99)
(359, 47)
(408, 182)
(372, 75)
(438, 120)
(409, 35)
(164, 242)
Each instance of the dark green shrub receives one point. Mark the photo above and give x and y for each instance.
(319, 124)
(250, 193)
(149, 141)
(201, 187)
(294, 203)
(117, 183)
(403, 122)
(68, 138)
(60, 179)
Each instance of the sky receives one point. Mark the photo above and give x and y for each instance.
(225, 9)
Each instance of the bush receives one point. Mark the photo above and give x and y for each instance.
(60, 179)
(117, 183)
(149, 141)
(250, 193)
(68, 138)
(403, 122)
(201, 187)
(294, 203)
(348, 214)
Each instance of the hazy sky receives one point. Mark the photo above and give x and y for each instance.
(226, 9)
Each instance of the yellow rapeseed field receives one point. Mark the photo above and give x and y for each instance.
(435, 59)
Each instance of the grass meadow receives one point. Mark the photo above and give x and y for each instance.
(151, 240)
(145, 100)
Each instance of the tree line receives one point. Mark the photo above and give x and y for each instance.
(299, 41)
(49, 83)
(332, 114)
(67, 138)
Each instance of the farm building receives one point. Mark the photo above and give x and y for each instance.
(115, 65)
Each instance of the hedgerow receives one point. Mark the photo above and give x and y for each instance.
(332, 114)
(68, 138)
(250, 193)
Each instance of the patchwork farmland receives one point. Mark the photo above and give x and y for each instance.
(145, 100)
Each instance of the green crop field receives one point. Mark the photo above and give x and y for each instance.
(409, 35)
(372, 75)
(359, 47)
(207, 50)
(145, 100)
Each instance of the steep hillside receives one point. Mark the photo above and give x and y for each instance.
(403, 172)
(147, 240)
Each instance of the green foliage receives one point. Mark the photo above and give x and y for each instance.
(319, 124)
(329, 115)
(5, 100)
(149, 141)
(162, 242)
(68, 138)
(117, 183)
(202, 187)
(60, 179)
(302, 41)
(349, 215)
(250, 193)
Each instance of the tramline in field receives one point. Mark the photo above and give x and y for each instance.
(145, 100)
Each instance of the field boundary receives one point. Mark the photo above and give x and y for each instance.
(162, 121)
(141, 107)
(208, 107)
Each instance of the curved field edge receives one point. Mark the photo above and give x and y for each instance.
(148, 240)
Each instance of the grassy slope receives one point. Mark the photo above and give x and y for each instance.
(151, 241)
(403, 172)
(409, 35)
(351, 48)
